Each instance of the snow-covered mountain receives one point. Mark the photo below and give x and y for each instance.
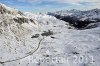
(77, 18)
(18, 30)
(81, 15)
(28, 39)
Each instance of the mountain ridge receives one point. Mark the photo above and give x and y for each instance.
(78, 18)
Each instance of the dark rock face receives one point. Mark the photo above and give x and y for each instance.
(35, 36)
(19, 12)
(3, 10)
(21, 20)
(47, 33)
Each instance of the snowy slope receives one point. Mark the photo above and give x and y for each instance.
(28, 39)
(15, 30)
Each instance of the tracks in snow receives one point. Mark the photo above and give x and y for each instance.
(30, 53)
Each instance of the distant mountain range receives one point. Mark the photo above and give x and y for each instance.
(77, 18)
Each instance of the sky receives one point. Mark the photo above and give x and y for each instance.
(36, 6)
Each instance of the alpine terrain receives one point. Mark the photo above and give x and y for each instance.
(63, 38)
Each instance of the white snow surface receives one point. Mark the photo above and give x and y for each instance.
(66, 47)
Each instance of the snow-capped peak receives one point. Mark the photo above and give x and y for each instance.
(92, 14)
(5, 9)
